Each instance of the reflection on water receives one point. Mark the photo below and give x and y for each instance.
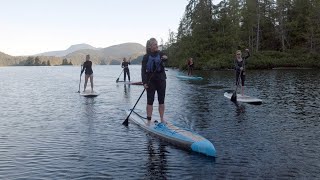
(126, 88)
(47, 131)
(240, 111)
(157, 162)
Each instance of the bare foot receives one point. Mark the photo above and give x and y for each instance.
(164, 121)
(148, 123)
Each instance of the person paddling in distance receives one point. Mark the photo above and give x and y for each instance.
(125, 65)
(87, 69)
(190, 65)
(154, 77)
(240, 62)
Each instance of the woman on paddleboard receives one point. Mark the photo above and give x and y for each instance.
(87, 68)
(190, 65)
(125, 65)
(240, 62)
(154, 77)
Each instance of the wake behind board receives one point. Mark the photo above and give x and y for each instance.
(186, 77)
(131, 83)
(175, 135)
(244, 98)
(88, 93)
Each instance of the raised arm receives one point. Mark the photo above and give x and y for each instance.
(247, 55)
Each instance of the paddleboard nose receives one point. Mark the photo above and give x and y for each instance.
(204, 147)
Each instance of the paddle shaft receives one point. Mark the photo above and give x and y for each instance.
(126, 122)
(119, 75)
(80, 79)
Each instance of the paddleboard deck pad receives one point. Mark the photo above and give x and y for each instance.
(244, 98)
(88, 93)
(186, 77)
(173, 134)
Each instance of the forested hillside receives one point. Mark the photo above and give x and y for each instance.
(278, 33)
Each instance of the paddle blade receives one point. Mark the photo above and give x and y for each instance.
(126, 122)
(234, 97)
(117, 80)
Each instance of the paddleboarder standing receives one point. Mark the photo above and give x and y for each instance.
(125, 65)
(87, 68)
(154, 77)
(240, 62)
(190, 65)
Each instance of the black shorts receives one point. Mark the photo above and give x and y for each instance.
(88, 72)
(160, 87)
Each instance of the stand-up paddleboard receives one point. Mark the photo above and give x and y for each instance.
(131, 83)
(244, 98)
(186, 77)
(88, 93)
(175, 135)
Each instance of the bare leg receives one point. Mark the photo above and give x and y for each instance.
(85, 83)
(161, 112)
(91, 81)
(149, 110)
(242, 90)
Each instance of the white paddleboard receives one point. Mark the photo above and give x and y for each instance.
(130, 82)
(88, 93)
(244, 98)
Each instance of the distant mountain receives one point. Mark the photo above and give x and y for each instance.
(124, 50)
(109, 55)
(7, 60)
(3, 55)
(71, 49)
(76, 55)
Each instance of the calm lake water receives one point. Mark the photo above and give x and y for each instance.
(48, 131)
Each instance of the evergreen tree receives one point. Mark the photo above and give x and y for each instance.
(29, 61)
(64, 62)
(271, 29)
(37, 61)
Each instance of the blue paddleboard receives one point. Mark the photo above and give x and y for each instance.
(175, 135)
(186, 77)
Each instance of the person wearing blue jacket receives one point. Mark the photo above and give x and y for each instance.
(154, 77)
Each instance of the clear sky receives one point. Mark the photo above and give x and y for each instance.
(34, 26)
